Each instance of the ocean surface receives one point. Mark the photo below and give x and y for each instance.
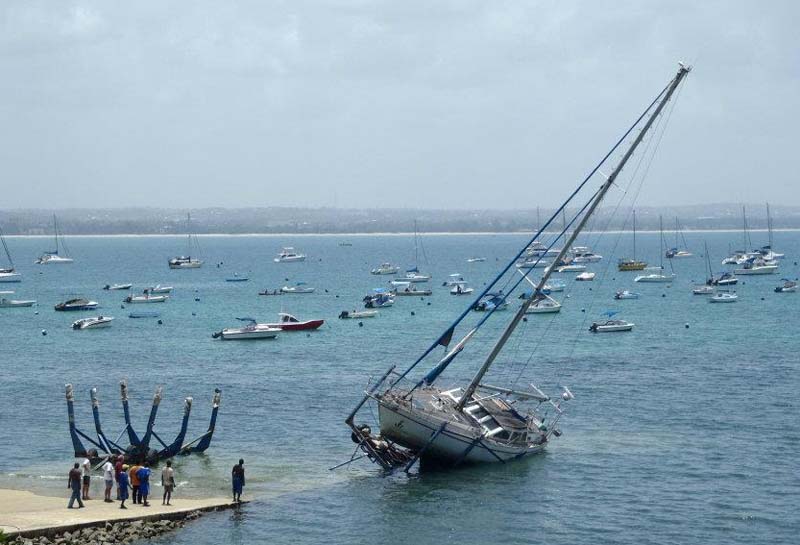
(685, 430)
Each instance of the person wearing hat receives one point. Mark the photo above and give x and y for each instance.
(122, 485)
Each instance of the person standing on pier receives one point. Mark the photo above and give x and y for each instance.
(122, 486)
(117, 470)
(168, 482)
(87, 477)
(74, 483)
(108, 477)
(144, 483)
(134, 478)
(237, 479)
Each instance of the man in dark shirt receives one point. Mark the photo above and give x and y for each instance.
(237, 478)
(74, 482)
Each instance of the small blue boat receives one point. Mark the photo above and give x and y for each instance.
(144, 314)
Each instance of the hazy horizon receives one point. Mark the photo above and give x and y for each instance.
(369, 105)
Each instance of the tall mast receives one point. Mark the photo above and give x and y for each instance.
(634, 234)
(55, 231)
(769, 226)
(744, 230)
(416, 247)
(189, 233)
(682, 72)
(708, 259)
(676, 232)
(661, 241)
(5, 247)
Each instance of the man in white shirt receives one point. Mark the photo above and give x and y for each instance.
(168, 482)
(108, 476)
(86, 467)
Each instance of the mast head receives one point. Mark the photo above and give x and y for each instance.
(215, 401)
(93, 394)
(123, 390)
(685, 67)
(157, 396)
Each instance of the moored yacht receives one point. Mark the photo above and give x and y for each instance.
(385, 268)
(98, 322)
(146, 298)
(724, 297)
(188, 261)
(79, 303)
(289, 255)
(8, 274)
(584, 254)
(54, 258)
(251, 331)
(5, 302)
(756, 265)
(788, 286)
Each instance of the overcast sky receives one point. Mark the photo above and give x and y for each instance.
(391, 103)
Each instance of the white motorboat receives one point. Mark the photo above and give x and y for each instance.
(5, 302)
(476, 260)
(299, 287)
(655, 278)
(54, 258)
(571, 268)
(538, 249)
(584, 254)
(703, 290)
(379, 298)
(188, 261)
(407, 289)
(724, 297)
(461, 288)
(453, 279)
(146, 298)
(413, 275)
(585, 277)
(544, 305)
(789, 286)
(675, 253)
(533, 263)
(491, 302)
(117, 287)
(479, 422)
(251, 331)
(385, 268)
(554, 286)
(611, 326)
(98, 322)
(289, 255)
(158, 288)
(756, 265)
(79, 303)
(625, 294)
(355, 314)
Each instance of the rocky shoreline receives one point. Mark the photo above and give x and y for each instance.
(110, 533)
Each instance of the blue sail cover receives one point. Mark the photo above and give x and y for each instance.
(413, 269)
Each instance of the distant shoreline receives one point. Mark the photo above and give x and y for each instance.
(391, 234)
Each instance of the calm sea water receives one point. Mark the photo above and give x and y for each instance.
(676, 434)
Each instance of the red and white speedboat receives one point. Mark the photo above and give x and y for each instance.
(290, 323)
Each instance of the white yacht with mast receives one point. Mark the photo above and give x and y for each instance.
(188, 261)
(54, 258)
(413, 274)
(8, 274)
(481, 422)
(659, 276)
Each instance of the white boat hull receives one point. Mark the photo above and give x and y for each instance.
(194, 264)
(54, 260)
(414, 431)
(93, 323)
(12, 303)
(247, 334)
(147, 299)
(7, 277)
(655, 278)
(290, 259)
(765, 269)
(613, 328)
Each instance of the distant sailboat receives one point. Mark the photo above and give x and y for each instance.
(632, 264)
(187, 261)
(8, 274)
(54, 258)
(676, 251)
(413, 274)
(660, 276)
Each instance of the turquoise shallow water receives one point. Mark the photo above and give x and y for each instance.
(676, 434)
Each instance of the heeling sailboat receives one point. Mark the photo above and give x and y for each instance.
(480, 422)
(8, 274)
(187, 261)
(54, 258)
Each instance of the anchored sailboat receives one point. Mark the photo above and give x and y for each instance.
(481, 422)
(54, 258)
(660, 276)
(413, 274)
(8, 274)
(632, 264)
(187, 261)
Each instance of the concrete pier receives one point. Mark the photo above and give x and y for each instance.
(30, 515)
